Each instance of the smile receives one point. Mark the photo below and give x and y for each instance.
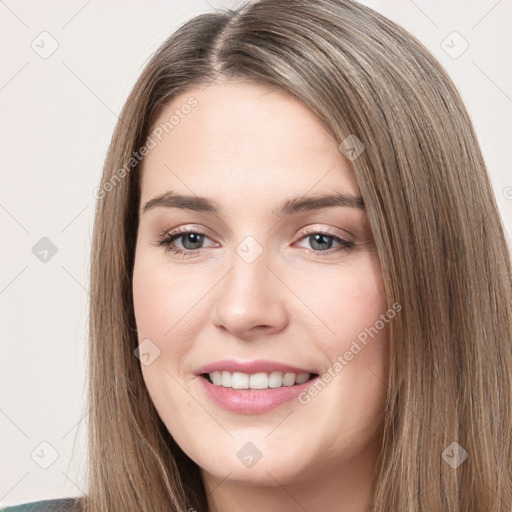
(248, 400)
(260, 380)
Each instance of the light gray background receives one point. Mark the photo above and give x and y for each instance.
(57, 117)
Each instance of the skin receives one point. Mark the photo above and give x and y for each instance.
(248, 148)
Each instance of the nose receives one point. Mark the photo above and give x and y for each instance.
(250, 299)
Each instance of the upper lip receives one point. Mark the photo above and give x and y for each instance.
(250, 367)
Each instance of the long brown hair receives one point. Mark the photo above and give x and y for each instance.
(435, 223)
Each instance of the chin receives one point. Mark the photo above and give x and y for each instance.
(263, 473)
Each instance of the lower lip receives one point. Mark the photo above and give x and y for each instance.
(247, 401)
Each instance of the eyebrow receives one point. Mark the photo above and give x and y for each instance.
(170, 199)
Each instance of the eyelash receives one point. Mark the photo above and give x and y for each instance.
(166, 239)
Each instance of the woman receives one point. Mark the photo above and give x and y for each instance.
(300, 285)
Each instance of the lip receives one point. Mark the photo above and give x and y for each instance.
(250, 367)
(245, 401)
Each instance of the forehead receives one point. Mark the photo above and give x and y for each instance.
(242, 137)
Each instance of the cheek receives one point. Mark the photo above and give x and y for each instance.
(164, 315)
(152, 286)
(346, 302)
(166, 303)
(354, 339)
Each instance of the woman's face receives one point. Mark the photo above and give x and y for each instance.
(272, 285)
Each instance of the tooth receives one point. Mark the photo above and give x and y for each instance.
(226, 379)
(216, 378)
(258, 381)
(275, 380)
(240, 380)
(301, 378)
(289, 379)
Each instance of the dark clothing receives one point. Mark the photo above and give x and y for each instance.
(58, 505)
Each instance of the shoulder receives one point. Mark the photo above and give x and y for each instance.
(58, 505)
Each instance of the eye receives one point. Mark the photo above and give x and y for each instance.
(321, 241)
(191, 241)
